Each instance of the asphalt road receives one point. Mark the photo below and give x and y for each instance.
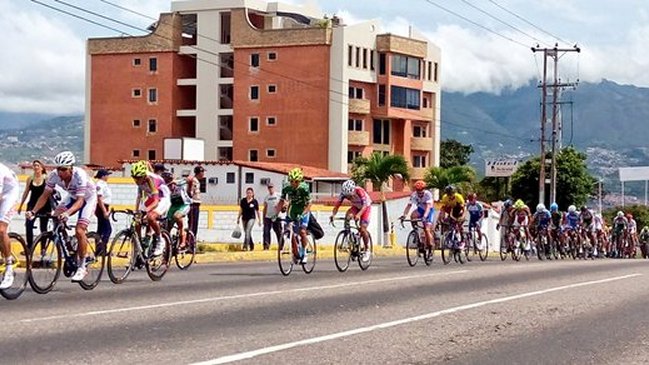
(593, 312)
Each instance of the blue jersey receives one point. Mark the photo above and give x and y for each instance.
(542, 219)
(475, 211)
(572, 220)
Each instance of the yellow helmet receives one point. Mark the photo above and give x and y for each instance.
(519, 204)
(139, 169)
(296, 174)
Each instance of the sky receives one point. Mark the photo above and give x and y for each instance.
(45, 69)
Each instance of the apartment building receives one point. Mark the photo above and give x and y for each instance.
(266, 82)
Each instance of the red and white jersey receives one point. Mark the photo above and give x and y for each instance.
(80, 185)
(359, 199)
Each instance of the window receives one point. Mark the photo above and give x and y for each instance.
(226, 64)
(254, 60)
(358, 56)
(225, 153)
(350, 55)
(381, 131)
(254, 93)
(135, 153)
(253, 156)
(272, 89)
(137, 62)
(402, 97)
(153, 95)
(225, 127)
(355, 125)
(355, 92)
(229, 178)
(419, 161)
(272, 56)
(225, 28)
(430, 70)
(271, 121)
(351, 92)
(372, 59)
(405, 66)
(435, 73)
(253, 125)
(226, 95)
(153, 126)
(419, 131)
(365, 58)
(359, 93)
(353, 155)
(270, 153)
(136, 93)
(153, 64)
(151, 154)
(381, 95)
(250, 178)
(382, 64)
(136, 123)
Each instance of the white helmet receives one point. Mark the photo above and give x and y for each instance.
(348, 187)
(572, 209)
(540, 207)
(65, 158)
(620, 214)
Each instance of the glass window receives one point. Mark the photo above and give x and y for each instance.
(271, 121)
(135, 153)
(270, 153)
(381, 131)
(359, 93)
(254, 93)
(272, 56)
(153, 126)
(153, 64)
(227, 64)
(226, 96)
(405, 66)
(382, 64)
(381, 95)
(136, 123)
(253, 155)
(254, 60)
(137, 62)
(358, 125)
(254, 124)
(272, 89)
(225, 127)
(350, 125)
(225, 28)
(250, 177)
(136, 93)
(402, 97)
(365, 58)
(358, 56)
(350, 55)
(229, 178)
(153, 95)
(372, 60)
(151, 154)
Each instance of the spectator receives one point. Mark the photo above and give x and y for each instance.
(194, 192)
(34, 187)
(159, 168)
(248, 210)
(270, 216)
(104, 199)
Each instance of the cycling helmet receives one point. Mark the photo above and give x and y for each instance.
(348, 187)
(296, 174)
(139, 169)
(540, 207)
(620, 214)
(519, 204)
(508, 203)
(472, 197)
(420, 185)
(554, 207)
(629, 216)
(449, 189)
(572, 209)
(584, 208)
(167, 176)
(64, 159)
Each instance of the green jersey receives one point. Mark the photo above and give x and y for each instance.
(298, 199)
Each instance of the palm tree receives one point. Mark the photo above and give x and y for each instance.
(439, 177)
(379, 168)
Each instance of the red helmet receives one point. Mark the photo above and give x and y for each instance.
(629, 216)
(420, 185)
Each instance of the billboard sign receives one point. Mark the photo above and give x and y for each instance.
(500, 167)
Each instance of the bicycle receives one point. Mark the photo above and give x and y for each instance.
(127, 251)
(454, 244)
(288, 254)
(477, 243)
(544, 248)
(416, 243)
(184, 257)
(20, 255)
(55, 251)
(349, 247)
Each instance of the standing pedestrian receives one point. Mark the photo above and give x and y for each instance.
(159, 168)
(104, 200)
(248, 210)
(194, 192)
(34, 187)
(271, 220)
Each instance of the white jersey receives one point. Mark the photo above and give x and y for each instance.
(80, 186)
(423, 201)
(8, 180)
(9, 194)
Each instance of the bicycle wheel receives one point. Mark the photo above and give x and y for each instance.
(540, 248)
(412, 248)
(311, 252)
(470, 247)
(285, 255)
(505, 244)
(46, 263)
(21, 266)
(364, 265)
(95, 260)
(342, 251)
(156, 267)
(483, 247)
(121, 256)
(185, 257)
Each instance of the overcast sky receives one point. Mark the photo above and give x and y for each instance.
(43, 66)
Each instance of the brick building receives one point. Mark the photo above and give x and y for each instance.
(267, 82)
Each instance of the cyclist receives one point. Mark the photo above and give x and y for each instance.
(82, 199)
(422, 201)
(453, 207)
(179, 204)
(506, 220)
(361, 209)
(556, 218)
(298, 196)
(600, 235)
(9, 197)
(632, 231)
(587, 221)
(541, 220)
(644, 239)
(522, 217)
(153, 199)
(476, 214)
(620, 225)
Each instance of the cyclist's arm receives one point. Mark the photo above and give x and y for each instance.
(337, 206)
(407, 210)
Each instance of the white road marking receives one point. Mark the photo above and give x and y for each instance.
(333, 336)
(239, 296)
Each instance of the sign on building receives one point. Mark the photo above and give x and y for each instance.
(500, 167)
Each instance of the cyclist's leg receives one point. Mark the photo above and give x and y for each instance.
(429, 225)
(179, 217)
(364, 223)
(85, 215)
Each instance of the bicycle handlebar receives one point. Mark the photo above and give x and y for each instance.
(122, 211)
(331, 221)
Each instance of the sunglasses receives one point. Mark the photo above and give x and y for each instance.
(62, 169)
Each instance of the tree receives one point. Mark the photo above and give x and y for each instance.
(574, 183)
(491, 189)
(454, 153)
(440, 177)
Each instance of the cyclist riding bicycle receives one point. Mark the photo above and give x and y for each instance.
(556, 218)
(587, 221)
(453, 207)
(632, 229)
(541, 221)
(476, 213)
(9, 197)
(153, 199)
(82, 199)
(505, 221)
(298, 196)
(422, 201)
(180, 202)
(522, 216)
(361, 210)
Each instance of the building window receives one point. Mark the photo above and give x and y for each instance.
(355, 125)
(226, 64)
(381, 95)
(358, 56)
(254, 93)
(364, 58)
(153, 95)
(353, 155)
(270, 153)
(250, 178)
(253, 156)
(229, 178)
(153, 64)
(382, 63)
(430, 70)
(225, 153)
(381, 131)
(419, 131)
(271, 121)
(253, 125)
(405, 66)
(355, 92)
(435, 73)
(272, 89)
(254, 60)
(135, 153)
(153, 126)
(226, 95)
(137, 62)
(350, 55)
(272, 56)
(225, 28)
(225, 127)
(402, 97)
(136, 93)
(151, 154)
(372, 60)
(136, 123)
(419, 161)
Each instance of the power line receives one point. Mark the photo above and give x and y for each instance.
(97, 15)
(128, 10)
(78, 17)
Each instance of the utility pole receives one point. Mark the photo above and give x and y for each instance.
(554, 53)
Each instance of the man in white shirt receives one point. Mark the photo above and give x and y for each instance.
(271, 216)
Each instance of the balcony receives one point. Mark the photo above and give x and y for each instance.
(421, 144)
(186, 113)
(418, 173)
(186, 82)
(358, 138)
(359, 106)
(403, 45)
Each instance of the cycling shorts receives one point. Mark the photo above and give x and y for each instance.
(163, 206)
(429, 218)
(182, 209)
(365, 218)
(475, 222)
(85, 214)
(8, 205)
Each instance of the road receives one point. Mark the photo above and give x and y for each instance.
(592, 312)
